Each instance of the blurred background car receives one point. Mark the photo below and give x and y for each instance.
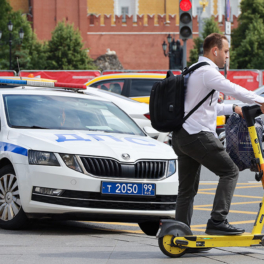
(137, 86)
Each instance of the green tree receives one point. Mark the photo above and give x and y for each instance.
(28, 58)
(250, 53)
(210, 26)
(247, 39)
(65, 50)
(250, 10)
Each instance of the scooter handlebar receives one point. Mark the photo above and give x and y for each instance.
(250, 112)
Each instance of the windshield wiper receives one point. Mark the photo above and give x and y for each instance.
(33, 127)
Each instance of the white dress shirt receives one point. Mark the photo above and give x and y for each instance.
(200, 83)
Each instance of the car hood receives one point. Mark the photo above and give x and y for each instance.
(91, 143)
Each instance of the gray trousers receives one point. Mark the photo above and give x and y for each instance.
(196, 150)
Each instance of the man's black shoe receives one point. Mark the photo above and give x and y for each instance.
(222, 228)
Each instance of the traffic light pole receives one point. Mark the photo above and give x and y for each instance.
(184, 57)
(185, 26)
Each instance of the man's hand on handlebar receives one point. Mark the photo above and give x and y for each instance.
(238, 110)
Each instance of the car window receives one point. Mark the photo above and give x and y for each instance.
(141, 87)
(114, 86)
(67, 113)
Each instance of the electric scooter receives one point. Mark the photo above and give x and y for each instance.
(175, 237)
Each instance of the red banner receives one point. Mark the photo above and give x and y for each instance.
(80, 77)
(135, 71)
(248, 79)
(7, 73)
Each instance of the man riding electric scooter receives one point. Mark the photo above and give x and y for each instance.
(196, 143)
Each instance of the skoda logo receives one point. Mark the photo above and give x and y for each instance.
(125, 156)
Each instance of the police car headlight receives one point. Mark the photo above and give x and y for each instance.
(171, 168)
(42, 158)
(71, 162)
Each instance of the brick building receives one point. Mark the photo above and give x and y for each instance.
(134, 29)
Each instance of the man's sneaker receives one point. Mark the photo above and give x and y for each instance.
(222, 228)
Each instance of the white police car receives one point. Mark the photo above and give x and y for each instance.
(66, 155)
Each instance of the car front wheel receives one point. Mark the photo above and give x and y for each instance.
(12, 215)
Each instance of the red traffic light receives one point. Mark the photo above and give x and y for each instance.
(185, 5)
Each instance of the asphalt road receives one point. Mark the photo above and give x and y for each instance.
(93, 242)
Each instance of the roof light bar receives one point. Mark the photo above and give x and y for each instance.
(10, 81)
(70, 85)
(44, 84)
(41, 84)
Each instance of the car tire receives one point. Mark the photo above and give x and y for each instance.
(150, 228)
(12, 215)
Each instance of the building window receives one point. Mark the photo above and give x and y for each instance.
(126, 7)
(124, 12)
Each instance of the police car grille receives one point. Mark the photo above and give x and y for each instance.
(102, 167)
(111, 168)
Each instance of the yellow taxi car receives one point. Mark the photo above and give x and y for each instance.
(137, 86)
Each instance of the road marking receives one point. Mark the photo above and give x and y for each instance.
(230, 211)
(240, 183)
(235, 195)
(247, 196)
(244, 187)
(210, 205)
(123, 231)
(130, 231)
(240, 187)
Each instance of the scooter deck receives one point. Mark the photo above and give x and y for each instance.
(205, 241)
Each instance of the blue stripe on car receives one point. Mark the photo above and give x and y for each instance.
(13, 148)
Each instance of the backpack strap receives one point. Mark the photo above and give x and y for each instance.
(196, 66)
(198, 105)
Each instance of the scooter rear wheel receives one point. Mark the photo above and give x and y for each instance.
(169, 249)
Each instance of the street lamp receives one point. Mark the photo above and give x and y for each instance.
(21, 36)
(172, 48)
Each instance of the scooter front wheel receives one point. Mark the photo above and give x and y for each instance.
(169, 249)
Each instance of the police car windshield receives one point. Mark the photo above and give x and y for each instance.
(67, 113)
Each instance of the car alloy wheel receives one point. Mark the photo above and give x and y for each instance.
(9, 197)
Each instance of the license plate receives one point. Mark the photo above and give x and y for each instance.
(146, 189)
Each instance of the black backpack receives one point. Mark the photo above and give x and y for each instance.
(166, 104)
